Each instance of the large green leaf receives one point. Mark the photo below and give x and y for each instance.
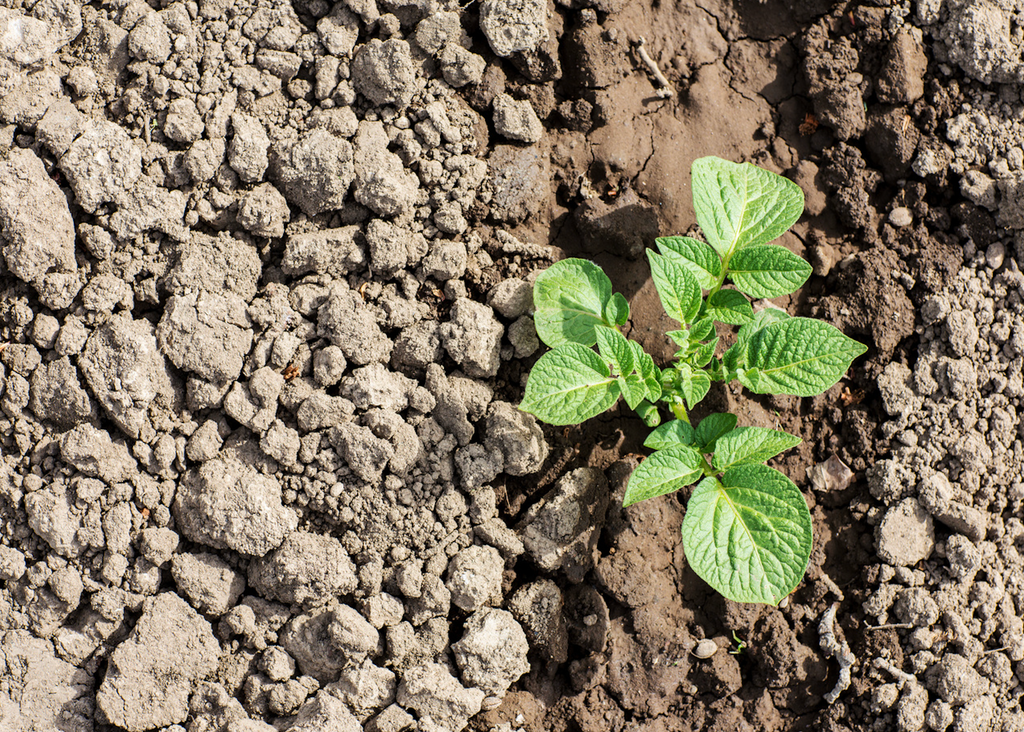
(799, 356)
(678, 289)
(571, 297)
(676, 432)
(750, 445)
(748, 535)
(615, 349)
(663, 472)
(741, 205)
(702, 261)
(712, 427)
(762, 318)
(735, 357)
(768, 271)
(569, 385)
(729, 306)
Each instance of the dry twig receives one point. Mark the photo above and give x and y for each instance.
(664, 90)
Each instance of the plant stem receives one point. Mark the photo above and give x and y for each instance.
(721, 278)
(679, 410)
(706, 467)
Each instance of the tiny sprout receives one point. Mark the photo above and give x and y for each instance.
(741, 645)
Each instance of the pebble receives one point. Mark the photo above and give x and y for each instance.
(901, 217)
(705, 649)
(995, 254)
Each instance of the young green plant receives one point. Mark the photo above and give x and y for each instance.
(747, 530)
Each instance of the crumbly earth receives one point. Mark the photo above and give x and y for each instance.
(265, 315)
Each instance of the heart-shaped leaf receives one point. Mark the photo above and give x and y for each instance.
(748, 535)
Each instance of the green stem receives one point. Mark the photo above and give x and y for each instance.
(721, 277)
(706, 467)
(679, 410)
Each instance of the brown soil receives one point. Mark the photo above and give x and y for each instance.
(742, 97)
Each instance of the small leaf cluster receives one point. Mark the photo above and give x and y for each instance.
(747, 530)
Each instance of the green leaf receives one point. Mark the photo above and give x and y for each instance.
(732, 359)
(614, 348)
(676, 432)
(799, 356)
(695, 255)
(702, 329)
(741, 205)
(693, 383)
(712, 427)
(680, 337)
(648, 370)
(633, 388)
(748, 535)
(663, 472)
(751, 445)
(616, 310)
(768, 271)
(570, 297)
(716, 370)
(678, 289)
(729, 306)
(569, 385)
(735, 357)
(762, 318)
(704, 353)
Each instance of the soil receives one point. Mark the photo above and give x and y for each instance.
(263, 324)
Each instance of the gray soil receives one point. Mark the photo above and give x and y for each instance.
(265, 315)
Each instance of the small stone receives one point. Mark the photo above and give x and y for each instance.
(901, 217)
(995, 254)
(705, 649)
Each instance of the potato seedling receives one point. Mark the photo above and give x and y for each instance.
(747, 530)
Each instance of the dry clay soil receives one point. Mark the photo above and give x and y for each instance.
(265, 315)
